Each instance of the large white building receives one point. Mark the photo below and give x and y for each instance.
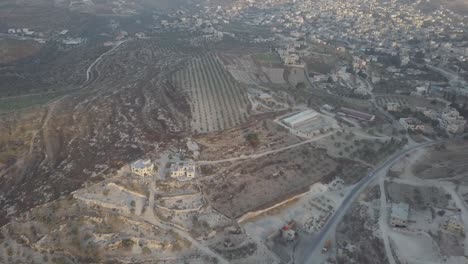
(183, 170)
(301, 118)
(142, 167)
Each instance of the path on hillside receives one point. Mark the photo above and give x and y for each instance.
(262, 154)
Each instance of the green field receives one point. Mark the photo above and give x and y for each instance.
(244, 29)
(267, 58)
(18, 103)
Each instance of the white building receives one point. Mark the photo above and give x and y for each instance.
(185, 170)
(142, 167)
(300, 118)
(393, 107)
(399, 214)
(267, 98)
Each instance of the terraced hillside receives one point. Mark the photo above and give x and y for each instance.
(218, 102)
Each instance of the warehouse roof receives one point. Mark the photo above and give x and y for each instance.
(301, 117)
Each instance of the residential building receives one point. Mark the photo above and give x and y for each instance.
(183, 170)
(393, 107)
(412, 124)
(266, 98)
(142, 167)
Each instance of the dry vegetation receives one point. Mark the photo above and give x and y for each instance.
(418, 197)
(122, 112)
(444, 161)
(68, 230)
(257, 183)
(233, 143)
(356, 232)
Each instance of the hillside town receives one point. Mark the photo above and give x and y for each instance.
(244, 131)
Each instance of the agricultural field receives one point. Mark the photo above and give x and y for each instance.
(242, 29)
(22, 102)
(408, 101)
(217, 101)
(267, 58)
(12, 49)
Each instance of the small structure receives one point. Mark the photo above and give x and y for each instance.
(267, 98)
(454, 224)
(300, 118)
(393, 107)
(356, 114)
(183, 170)
(327, 107)
(142, 167)
(287, 232)
(412, 124)
(399, 214)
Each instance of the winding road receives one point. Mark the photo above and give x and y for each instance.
(317, 245)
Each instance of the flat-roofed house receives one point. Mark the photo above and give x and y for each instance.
(142, 167)
(399, 214)
(184, 170)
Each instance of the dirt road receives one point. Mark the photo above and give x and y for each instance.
(262, 154)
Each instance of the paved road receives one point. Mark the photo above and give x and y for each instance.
(317, 245)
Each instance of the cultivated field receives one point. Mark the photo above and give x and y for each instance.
(218, 102)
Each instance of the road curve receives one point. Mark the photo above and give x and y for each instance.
(349, 199)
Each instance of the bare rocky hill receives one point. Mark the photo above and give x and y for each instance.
(125, 110)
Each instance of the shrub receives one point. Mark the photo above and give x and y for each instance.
(252, 139)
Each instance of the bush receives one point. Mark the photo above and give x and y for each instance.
(146, 251)
(252, 139)
(127, 243)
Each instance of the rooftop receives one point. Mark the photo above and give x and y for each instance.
(301, 117)
(140, 164)
(400, 211)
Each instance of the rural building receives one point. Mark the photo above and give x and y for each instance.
(399, 214)
(142, 167)
(267, 98)
(184, 170)
(454, 224)
(327, 107)
(356, 114)
(393, 107)
(287, 232)
(300, 118)
(412, 124)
